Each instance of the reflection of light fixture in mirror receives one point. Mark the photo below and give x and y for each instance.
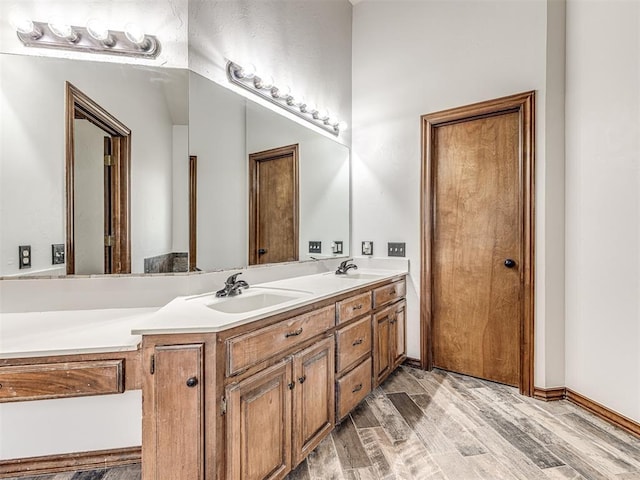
(95, 38)
(63, 30)
(263, 86)
(98, 30)
(23, 25)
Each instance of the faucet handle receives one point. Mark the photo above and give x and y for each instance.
(344, 264)
(232, 279)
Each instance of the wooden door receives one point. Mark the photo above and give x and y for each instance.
(259, 425)
(273, 206)
(476, 231)
(398, 340)
(178, 413)
(382, 342)
(313, 397)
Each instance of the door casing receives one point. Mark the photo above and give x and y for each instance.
(523, 104)
(78, 102)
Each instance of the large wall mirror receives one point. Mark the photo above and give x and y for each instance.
(191, 142)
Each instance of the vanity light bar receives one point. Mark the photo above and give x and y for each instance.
(132, 42)
(246, 78)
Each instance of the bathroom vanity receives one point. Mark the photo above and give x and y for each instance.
(237, 387)
(250, 398)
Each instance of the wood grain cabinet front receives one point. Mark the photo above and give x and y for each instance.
(353, 387)
(389, 293)
(353, 343)
(61, 380)
(353, 307)
(276, 417)
(250, 348)
(389, 336)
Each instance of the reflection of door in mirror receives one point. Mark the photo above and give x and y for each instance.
(97, 182)
(273, 205)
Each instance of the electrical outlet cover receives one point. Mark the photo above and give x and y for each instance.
(57, 254)
(24, 256)
(367, 248)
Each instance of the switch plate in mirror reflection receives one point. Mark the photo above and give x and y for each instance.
(172, 113)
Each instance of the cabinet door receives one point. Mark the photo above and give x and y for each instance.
(313, 397)
(398, 335)
(178, 414)
(381, 351)
(259, 425)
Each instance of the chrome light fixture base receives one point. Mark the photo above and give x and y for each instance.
(254, 84)
(117, 42)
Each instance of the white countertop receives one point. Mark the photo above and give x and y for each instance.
(40, 334)
(193, 315)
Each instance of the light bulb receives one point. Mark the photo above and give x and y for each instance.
(341, 125)
(248, 71)
(98, 30)
(135, 34)
(280, 92)
(22, 24)
(63, 30)
(263, 82)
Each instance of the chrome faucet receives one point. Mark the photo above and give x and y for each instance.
(345, 267)
(232, 287)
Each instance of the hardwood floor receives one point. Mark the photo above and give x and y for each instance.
(439, 425)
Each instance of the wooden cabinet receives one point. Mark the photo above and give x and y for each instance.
(389, 336)
(313, 398)
(276, 417)
(399, 335)
(176, 418)
(382, 342)
(259, 425)
(251, 402)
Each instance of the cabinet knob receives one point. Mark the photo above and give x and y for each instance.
(302, 379)
(192, 382)
(509, 263)
(291, 385)
(358, 307)
(357, 388)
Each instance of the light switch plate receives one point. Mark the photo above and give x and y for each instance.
(315, 246)
(396, 249)
(367, 248)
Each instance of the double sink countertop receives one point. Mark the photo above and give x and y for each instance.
(39, 334)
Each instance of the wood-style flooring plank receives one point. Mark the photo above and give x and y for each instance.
(301, 472)
(349, 448)
(323, 462)
(363, 417)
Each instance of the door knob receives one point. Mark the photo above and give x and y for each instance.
(192, 382)
(262, 251)
(509, 263)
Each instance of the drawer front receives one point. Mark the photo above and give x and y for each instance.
(353, 307)
(251, 348)
(353, 387)
(59, 380)
(388, 293)
(352, 343)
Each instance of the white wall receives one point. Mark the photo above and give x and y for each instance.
(88, 186)
(303, 44)
(603, 203)
(180, 184)
(412, 58)
(217, 138)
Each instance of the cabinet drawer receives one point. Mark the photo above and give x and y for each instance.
(59, 380)
(353, 387)
(353, 307)
(251, 348)
(388, 293)
(352, 343)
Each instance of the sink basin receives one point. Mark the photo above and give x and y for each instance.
(249, 301)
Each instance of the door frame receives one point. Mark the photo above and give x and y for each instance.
(193, 212)
(79, 102)
(254, 160)
(524, 105)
